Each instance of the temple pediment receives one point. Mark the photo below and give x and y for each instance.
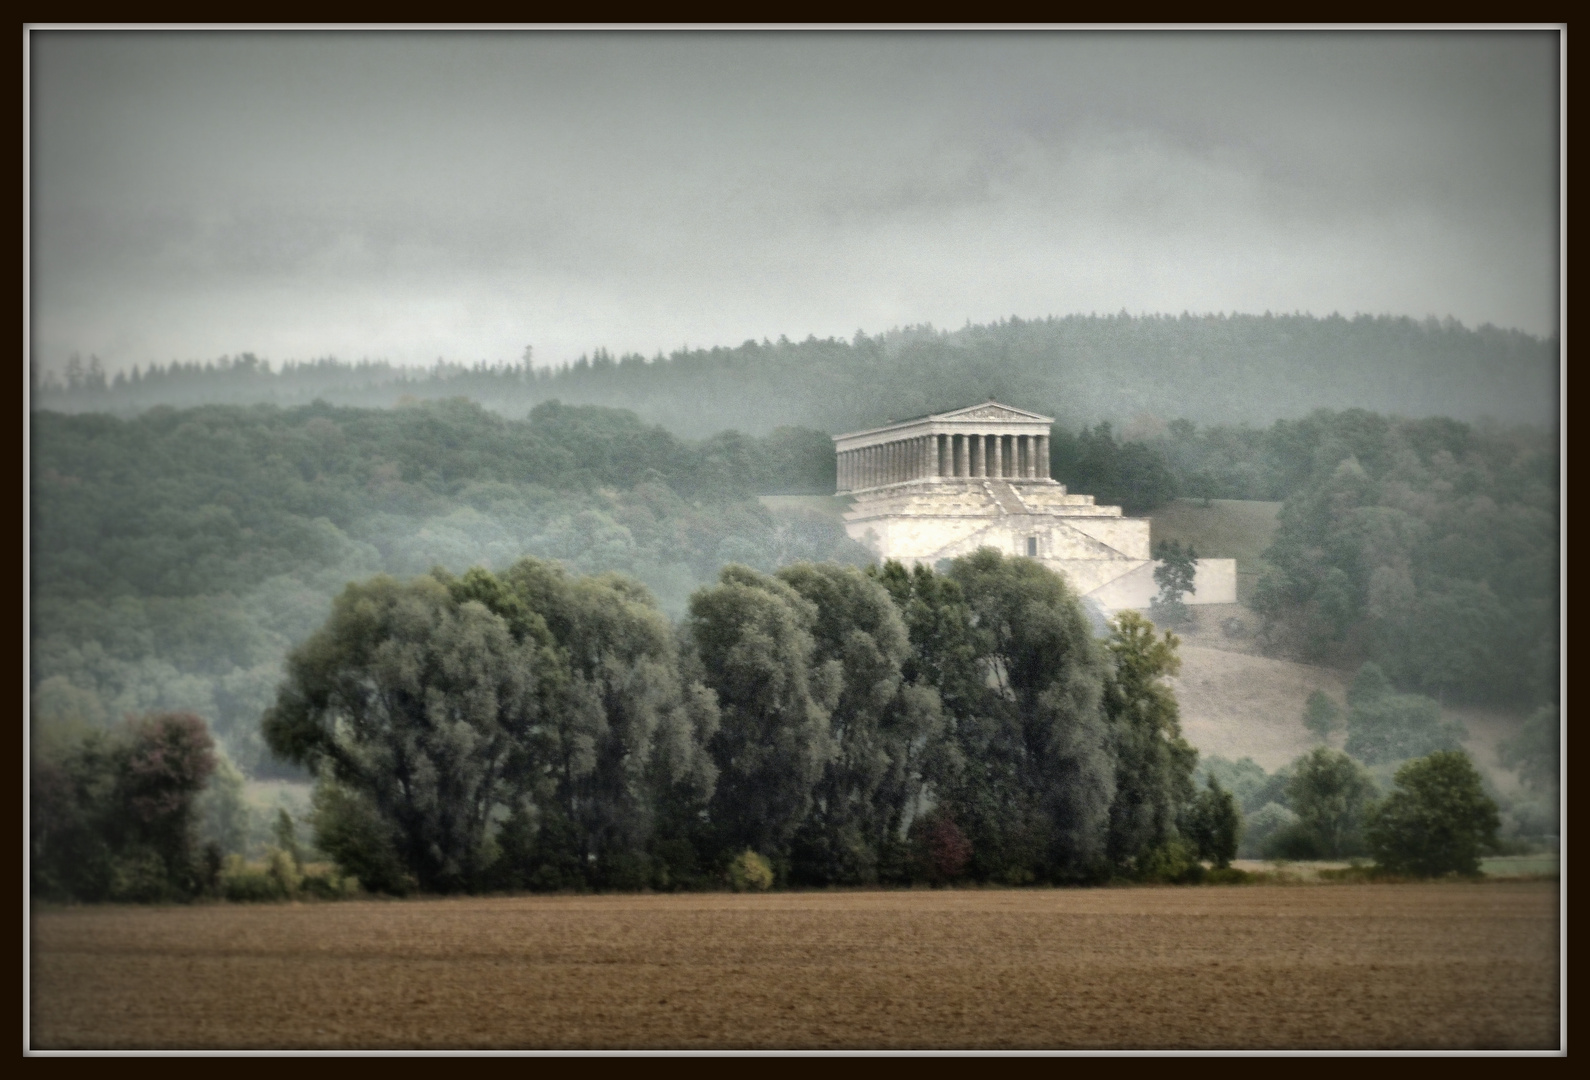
(993, 410)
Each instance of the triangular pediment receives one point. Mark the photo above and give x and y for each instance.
(993, 410)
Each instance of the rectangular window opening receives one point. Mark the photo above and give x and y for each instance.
(1032, 547)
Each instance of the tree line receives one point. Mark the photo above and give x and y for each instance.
(1211, 369)
(531, 730)
(825, 725)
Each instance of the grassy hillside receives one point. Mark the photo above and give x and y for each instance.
(1236, 705)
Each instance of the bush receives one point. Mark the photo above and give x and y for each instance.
(1214, 824)
(278, 877)
(1293, 842)
(1437, 821)
(245, 883)
(114, 813)
(350, 830)
(1321, 715)
(1176, 861)
(1227, 875)
(940, 851)
(1263, 827)
(750, 872)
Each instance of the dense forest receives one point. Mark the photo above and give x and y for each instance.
(177, 555)
(1225, 369)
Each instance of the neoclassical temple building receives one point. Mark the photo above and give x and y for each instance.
(945, 485)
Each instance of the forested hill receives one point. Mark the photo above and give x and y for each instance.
(1238, 369)
(178, 554)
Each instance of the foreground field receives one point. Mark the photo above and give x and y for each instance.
(1305, 966)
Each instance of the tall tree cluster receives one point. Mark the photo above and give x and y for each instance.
(531, 729)
(1429, 545)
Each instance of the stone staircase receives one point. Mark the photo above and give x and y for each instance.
(1005, 497)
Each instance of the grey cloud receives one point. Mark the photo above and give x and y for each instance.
(463, 193)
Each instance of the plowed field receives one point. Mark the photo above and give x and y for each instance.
(1448, 965)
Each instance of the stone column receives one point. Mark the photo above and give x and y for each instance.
(998, 466)
(1022, 456)
(1043, 457)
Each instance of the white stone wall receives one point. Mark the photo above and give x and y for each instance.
(1215, 583)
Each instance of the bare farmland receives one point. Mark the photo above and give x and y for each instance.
(1448, 965)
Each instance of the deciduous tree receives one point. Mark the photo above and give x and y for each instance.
(1437, 821)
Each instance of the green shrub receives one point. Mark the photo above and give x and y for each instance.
(1214, 824)
(1293, 842)
(1262, 827)
(350, 830)
(1176, 860)
(1227, 875)
(1437, 821)
(750, 872)
(244, 882)
(940, 851)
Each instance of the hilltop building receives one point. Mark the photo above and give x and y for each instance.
(944, 485)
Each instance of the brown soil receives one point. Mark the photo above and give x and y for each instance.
(1447, 965)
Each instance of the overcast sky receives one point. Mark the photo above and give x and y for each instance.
(409, 196)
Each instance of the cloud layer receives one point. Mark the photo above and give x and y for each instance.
(410, 196)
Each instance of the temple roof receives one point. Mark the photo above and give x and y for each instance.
(988, 410)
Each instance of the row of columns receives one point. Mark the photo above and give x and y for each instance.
(1012, 457)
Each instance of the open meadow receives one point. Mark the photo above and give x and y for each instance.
(1322, 966)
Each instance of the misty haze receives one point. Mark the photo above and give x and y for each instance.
(777, 522)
